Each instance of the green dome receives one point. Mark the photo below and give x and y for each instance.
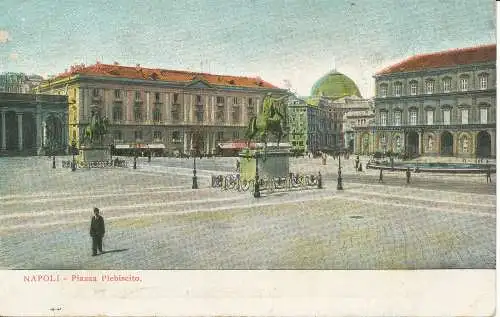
(335, 85)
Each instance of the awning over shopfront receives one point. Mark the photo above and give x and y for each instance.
(122, 146)
(156, 146)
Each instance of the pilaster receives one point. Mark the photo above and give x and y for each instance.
(4, 129)
(20, 130)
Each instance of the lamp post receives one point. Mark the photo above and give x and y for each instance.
(256, 188)
(195, 179)
(339, 178)
(73, 163)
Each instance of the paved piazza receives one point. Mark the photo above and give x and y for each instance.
(154, 220)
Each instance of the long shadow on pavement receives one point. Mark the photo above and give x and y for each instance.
(113, 251)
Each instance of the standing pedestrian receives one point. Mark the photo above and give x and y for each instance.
(381, 176)
(408, 175)
(488, 175)
(237, 166)
(97, 231)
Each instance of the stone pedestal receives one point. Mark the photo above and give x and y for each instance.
(94, 153)
(272, 163)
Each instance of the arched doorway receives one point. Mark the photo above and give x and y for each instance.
(351, 145)
(483, 144)
(412, 146)
(11, 129)
(54, 132)
(29, 131)
(446, 143)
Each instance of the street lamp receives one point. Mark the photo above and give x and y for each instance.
(195, 178)
(256, 188)
(73, 153)
(339, 179)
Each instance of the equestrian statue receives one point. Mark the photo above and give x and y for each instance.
(96, 130)
(272, 120)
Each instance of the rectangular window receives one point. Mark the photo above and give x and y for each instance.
(430, 117)
(138, 135)
(117, 135)
(117, 113)
(383, 91)
(413, 89)
(199, 113)
(176, 136)
(156, 115)
(176, 98)
(137, 95)
(483, 82)
(118, 94)
(220, 135)
(95, 92)
(157, 135)
(397, 118)
(429, 87)
(157, 96)
(236, 135)
(250, 101)
(137, 114)
(446, 117)
(383, 118)
(484, 115)
(413, 117)
(464, 84)
(397, 89)
(465, 116)
(236, 114)
(220, 100)
(198, 99)
(447, 85)
(235, 100)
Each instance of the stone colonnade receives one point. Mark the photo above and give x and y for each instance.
(464, 143)
(44, 120)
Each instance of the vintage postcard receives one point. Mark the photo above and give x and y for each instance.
(248, 158)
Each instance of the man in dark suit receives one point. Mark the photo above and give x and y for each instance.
(97, 231)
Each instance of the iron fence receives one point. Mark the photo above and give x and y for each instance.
(95, 164)
(270, 184)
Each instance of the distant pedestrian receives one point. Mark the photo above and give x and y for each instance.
(97, 231)
(381, 176)
(408, 175)
(488, 175)
(149, 156)
(237, 165)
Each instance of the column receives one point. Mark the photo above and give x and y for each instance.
(167, 115)
(455, 143)
(420, 143)
(213, 109)
(39, 132)
(213, 141)
(207, 143)
(186, 143)
(128, 105)
(493, 143)
(4, 131)
(20, 130)
(65, 128)
(148, 107)
(229, 106)
(190, 141)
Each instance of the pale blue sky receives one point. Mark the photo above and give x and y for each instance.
(275, 39)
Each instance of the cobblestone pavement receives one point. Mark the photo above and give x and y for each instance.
(155, 221)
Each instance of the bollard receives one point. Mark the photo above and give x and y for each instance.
(320, 181)
(54, 161)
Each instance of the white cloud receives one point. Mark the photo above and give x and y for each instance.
(4, 36)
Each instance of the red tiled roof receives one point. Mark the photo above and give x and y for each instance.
(450, 58)
(139, 72)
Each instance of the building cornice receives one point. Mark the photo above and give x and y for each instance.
(423, 97)
(436, 71)
(79, 79)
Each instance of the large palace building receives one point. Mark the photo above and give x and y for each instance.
(162, 109)
(436, 104)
